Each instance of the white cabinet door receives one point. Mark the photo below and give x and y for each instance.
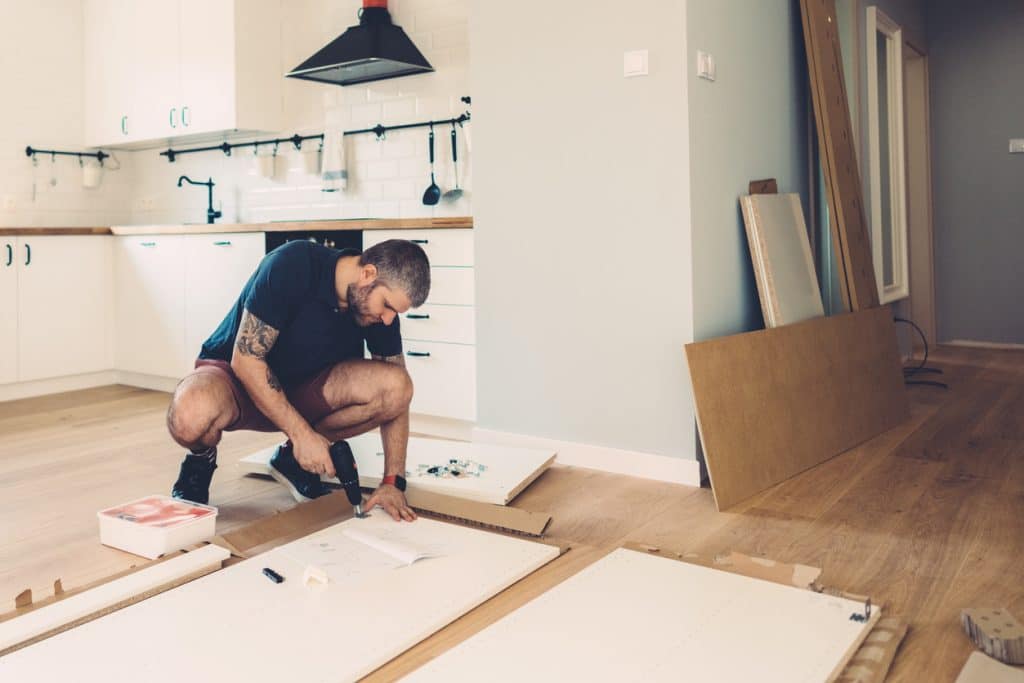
(157, 77)
(8, 310)
(443, 377)
(150, 305)
(65, 311)
(216, 269)
(109, 71)
(207, 48)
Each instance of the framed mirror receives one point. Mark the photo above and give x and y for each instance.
(887, 180)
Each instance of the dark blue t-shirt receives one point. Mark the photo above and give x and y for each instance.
(293, 291)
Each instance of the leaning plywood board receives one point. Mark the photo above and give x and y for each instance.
(480, 472)
(776, 402)
(78, 609)
(635, 617)
(838, 155)
(781, 255)
(237, 625)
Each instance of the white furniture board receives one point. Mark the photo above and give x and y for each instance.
(781, 255)
(980, 668)
(237, 625)
(75, 607)
(509, 469)
(635, 617)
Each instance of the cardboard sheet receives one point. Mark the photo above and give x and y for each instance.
(484, 473)
(776, 402)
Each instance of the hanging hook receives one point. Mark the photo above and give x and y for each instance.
(80, 162)
(380, 131)
(275, 148)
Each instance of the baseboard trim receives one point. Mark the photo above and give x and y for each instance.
(444, 427)
(984, 345)
(615, 460)
(56, 385)
(152, 382)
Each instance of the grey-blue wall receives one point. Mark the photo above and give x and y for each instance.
(976, 70)
(752, 122)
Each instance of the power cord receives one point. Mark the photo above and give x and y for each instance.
(908, 373)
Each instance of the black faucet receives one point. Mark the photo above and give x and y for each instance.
(211, 215)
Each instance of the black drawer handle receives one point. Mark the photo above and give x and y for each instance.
(418, 354)
(418, 316)
(28, 254)
(419, 241)
(10, 254)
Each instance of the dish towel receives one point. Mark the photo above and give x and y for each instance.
(333, 166)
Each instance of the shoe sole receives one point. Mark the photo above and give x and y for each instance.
(284, 481)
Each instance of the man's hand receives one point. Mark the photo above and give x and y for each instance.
(312, 451)
(393, 501)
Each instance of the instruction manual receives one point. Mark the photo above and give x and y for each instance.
(376, 544)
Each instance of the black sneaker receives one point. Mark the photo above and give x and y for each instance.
(304, 486)
(194, 479)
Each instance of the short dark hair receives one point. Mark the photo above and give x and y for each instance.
(403, 264)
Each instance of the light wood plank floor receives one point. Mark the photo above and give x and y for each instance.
(927, 518)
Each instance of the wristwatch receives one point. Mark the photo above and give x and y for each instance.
(396, 480)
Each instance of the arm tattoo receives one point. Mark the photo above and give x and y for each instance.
(255, 337)
(398, 359)
(273, 381)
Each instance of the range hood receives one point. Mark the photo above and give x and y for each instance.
(372, 51)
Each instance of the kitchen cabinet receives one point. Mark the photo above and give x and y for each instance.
(192, 70)
(172, 291)
(8, 310)
(149, 286)
(439, 338)
(216, 269)
(64, 305)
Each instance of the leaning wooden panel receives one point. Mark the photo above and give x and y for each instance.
(776, 402)
(839, 155)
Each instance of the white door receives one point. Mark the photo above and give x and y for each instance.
(109, 72)
(207, 48)
(8, 310)
(156, 53)
(216, 269)
(149, 288)
(65, 305)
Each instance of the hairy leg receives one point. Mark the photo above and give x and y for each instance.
(364, 394)
(202, 407)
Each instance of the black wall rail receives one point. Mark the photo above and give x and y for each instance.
(100, 155)
(297, 140)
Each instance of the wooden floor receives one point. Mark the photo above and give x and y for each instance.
(927, 518)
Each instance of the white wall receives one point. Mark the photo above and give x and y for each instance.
(41, 105)
(581, 210)
(387, 179)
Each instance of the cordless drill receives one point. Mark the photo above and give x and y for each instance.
(345, 466)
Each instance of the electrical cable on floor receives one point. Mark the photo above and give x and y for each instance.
(922, 367)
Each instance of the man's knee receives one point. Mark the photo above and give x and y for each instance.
(194, 411)
(396, 391)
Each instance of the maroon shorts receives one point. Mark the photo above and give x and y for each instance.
(307, 397)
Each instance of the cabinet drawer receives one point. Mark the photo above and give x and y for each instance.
(444, 247)
(453, 324)
(444, 377)
(453, 286)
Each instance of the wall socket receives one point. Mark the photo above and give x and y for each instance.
(1017, 146)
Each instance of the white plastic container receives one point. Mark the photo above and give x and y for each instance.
(155, 525)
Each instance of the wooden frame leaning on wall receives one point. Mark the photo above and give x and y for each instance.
(886, 156)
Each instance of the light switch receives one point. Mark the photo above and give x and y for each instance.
(634, 63)
(1017, 146)
(705, 65)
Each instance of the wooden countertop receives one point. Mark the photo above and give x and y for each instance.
(348, 224)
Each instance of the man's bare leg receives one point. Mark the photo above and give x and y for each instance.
(368, 394)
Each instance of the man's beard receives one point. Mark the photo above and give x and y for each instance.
(358, 298)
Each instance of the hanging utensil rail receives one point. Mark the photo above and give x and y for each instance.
(100, 155)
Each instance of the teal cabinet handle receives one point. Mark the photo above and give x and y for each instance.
(418, 354)
(222, 243)
(418, 316)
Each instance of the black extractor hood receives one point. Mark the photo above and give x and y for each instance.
(372, 51)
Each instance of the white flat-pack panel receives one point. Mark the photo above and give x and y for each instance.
(635, 617)
(238, 625)
(487, 473)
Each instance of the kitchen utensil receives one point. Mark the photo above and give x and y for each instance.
(433, 193)
(456, 192)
